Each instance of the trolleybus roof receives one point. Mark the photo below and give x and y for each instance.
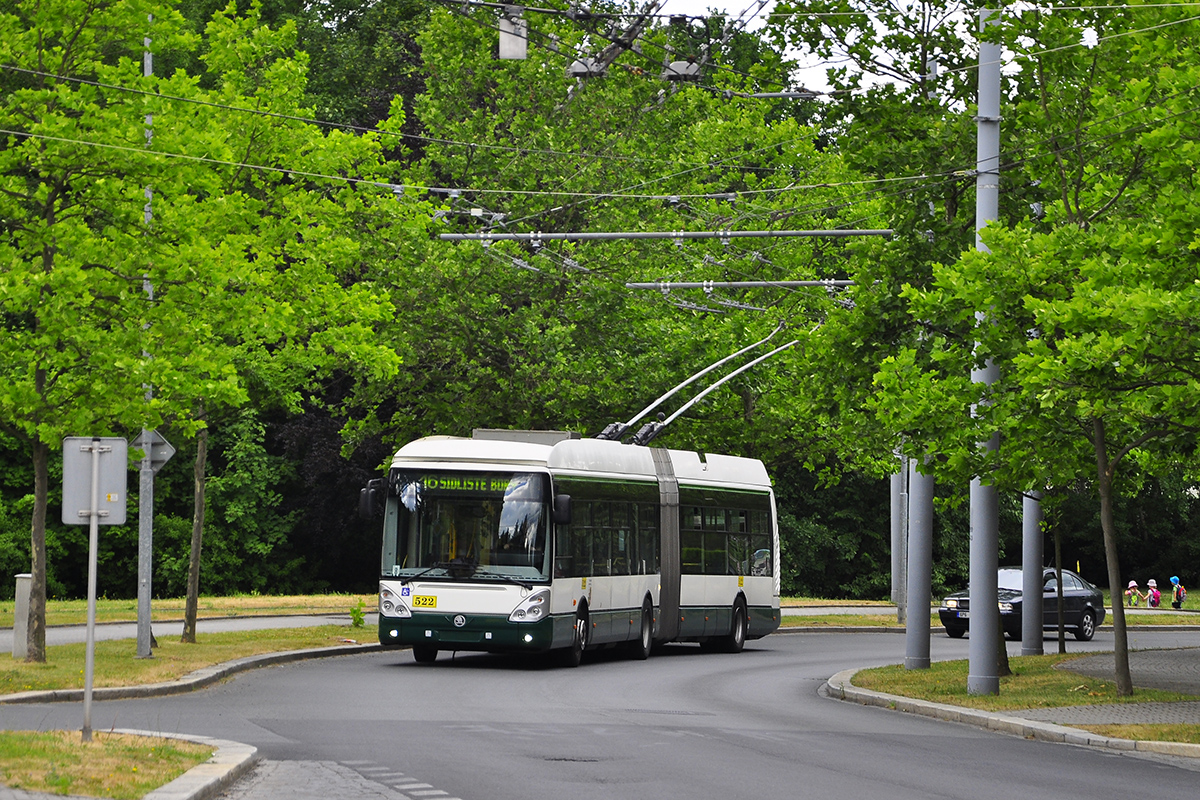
(577, 456)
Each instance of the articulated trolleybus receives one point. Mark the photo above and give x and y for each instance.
(540, 541)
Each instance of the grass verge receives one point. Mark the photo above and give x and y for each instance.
(74, 612)
(1035, 683)
(115, 664)
(111, 765)
(1188, 734)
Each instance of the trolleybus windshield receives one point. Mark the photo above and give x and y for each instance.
(467, 526)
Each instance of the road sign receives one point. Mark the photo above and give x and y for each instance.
(153, 444)
(113, 469)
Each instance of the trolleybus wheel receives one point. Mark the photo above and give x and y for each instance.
(639, 648)
(736, 639)
(579, 639)
(424, 654)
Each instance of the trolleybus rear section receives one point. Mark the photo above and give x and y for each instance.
(516, 541)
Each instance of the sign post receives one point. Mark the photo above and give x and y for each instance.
(94, 479)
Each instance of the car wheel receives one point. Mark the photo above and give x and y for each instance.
(1015, 634)
(955, 633)
(424, 654)
(1087, 627)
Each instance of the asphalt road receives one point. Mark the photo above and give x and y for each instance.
(681, 725)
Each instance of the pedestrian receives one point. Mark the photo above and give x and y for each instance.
(1178, 593)
(1132, 595)
(1153, 595)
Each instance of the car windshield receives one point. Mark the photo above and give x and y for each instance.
(466, 525)
(1009, 579)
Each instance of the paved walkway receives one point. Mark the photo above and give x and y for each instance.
(1175, 670)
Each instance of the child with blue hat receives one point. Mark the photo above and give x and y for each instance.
(1178, 593)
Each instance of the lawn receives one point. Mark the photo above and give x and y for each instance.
(74, 612)
(111, 765)
(115, 664)
(1035, 683)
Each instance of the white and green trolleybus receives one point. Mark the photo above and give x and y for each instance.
(540, 541)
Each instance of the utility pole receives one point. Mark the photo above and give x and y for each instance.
(1031, 575)
(983, 673)
(899, 487)
(919, 554)
(145, 636)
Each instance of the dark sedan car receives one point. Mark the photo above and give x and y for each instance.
(1083, 605)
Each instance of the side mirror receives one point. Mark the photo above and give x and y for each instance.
(562, 509)
(368, 499)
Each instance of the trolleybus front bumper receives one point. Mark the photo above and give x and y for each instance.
(484, 632)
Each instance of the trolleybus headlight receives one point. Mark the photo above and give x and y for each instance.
(390, 604)
(532, 608)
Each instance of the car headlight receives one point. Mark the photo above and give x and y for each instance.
(1005, 608)
(533, 608)
(390, 604)
(950, 602)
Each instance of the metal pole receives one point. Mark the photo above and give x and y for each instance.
(920, 567)
(89, 658)
(902, 546)
(1032, 611)
(983, 674)
(666, 286)
(145, 636)
(897, 519)
(582, 237)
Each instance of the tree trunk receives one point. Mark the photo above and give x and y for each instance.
(193, 584)
(36, 634)
(1104, 481)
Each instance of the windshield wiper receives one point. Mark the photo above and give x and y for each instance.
(456, 567)
(506, 578)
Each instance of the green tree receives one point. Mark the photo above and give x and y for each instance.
(520, 335)
(1093, 319)
(251, 242)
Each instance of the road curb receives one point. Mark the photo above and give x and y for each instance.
(840, 687)
(197, 679)
(230, 762)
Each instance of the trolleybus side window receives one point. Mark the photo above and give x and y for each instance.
(724, 532)
(760, 542)
(613, 529)
(647, 515)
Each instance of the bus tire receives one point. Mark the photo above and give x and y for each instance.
(735, 640)
(573, 655)
(424, 654)
(639, 648)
